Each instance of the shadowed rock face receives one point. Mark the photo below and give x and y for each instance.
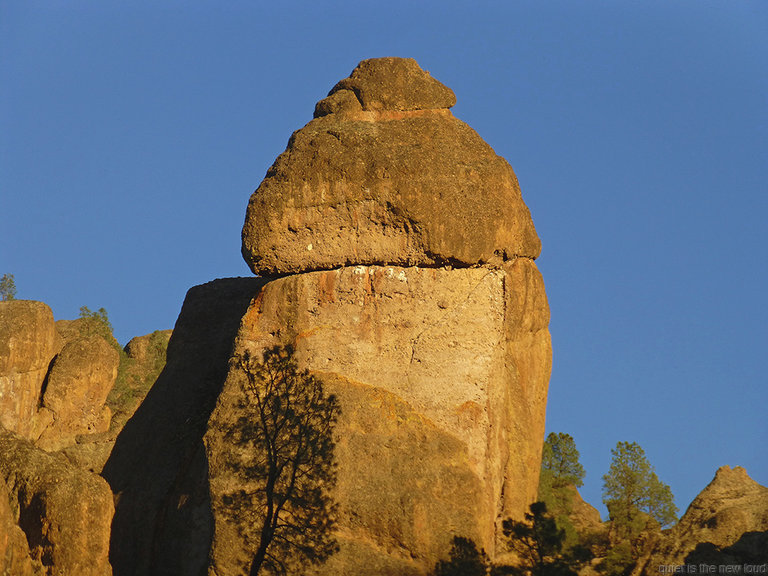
(727, 520)
(386, 175)
(157, 468)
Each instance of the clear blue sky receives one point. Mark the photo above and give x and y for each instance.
(133, 133)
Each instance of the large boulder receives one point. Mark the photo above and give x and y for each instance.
(386, 175)
(394, 84)
(28, 343)
(440, 373)
(65, 513)
(77, 386)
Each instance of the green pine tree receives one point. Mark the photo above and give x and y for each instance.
(638, 503)
(561, 471)
(7, 288)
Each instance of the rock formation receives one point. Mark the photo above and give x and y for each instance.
(397, 259)
(55, 379)
(80, 379)
(28, 343)
(412, 289)
(64, 513)
(584, 517)
(731, 512)
(385, 174)
(14, 553)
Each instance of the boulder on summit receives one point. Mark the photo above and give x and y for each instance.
(386, 175)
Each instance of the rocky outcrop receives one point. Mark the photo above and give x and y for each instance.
(389, 84)
(149, 348)
(445, 345)
(54, 377)
(386, 175)
(28, 343)
(584, 517)
(140, 367)
(14, 552)
(79, 381)
(64, 513)
(413, 294)
(730, 513)
(413, 291)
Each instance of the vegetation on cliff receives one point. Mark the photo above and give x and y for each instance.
(7, 287)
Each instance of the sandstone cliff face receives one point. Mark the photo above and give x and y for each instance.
(414, 292)
(447, 346)
(728, 509)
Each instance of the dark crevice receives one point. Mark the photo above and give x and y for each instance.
(44, 387)
(436, 262)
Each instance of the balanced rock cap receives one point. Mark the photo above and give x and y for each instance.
(385, 174)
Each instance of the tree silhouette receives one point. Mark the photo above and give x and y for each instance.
(286, 431)
(465, 560)
(538, 543)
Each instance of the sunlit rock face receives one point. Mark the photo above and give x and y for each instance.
(28, 343)
(442, 378)
(408, 284)
(54, 376)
